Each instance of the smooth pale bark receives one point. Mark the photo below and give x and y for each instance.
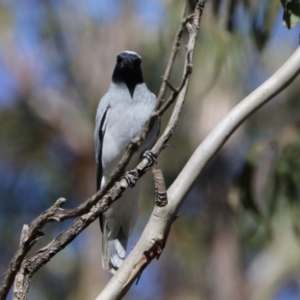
(217, 138)
(156, 231)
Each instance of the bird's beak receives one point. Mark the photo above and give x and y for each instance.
(127, 63)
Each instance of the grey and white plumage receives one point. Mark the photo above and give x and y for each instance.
(121, 115)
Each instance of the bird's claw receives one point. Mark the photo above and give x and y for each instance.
(151, 156)
(128, 177)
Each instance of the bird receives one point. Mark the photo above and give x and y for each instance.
(121, 115)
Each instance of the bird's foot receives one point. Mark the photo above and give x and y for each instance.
(151, 156)
(129, 175)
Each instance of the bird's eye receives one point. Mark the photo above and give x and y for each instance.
(119, 59)
(137, 62)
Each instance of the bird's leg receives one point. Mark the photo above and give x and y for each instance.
(130, 176)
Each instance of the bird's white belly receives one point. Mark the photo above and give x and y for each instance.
(118, 134)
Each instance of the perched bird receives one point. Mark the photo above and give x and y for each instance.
(122, 113)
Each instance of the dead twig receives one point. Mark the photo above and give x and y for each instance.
(137, 259)
(100, 202)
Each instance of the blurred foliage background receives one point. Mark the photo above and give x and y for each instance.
(238, 233)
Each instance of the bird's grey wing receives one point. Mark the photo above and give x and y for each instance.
(101, 120)
(158, 126)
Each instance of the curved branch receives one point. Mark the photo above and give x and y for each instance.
(241, 112)
(99, 202)
(152, 240)
(156, 231)
(103, 197)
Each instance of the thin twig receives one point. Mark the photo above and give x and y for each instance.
(26, 243)
(171, 86)
(116, 189)
(150, 246)
(34, 263)
(175, 93)
(19, 284)
(158, 226)
(175, 48)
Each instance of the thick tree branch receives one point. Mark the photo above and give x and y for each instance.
(154, 236)
(156, 231)
(101, 199)
(217, 138)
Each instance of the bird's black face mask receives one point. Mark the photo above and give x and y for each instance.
(128, 70)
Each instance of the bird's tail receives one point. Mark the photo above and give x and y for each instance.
(113, 251)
